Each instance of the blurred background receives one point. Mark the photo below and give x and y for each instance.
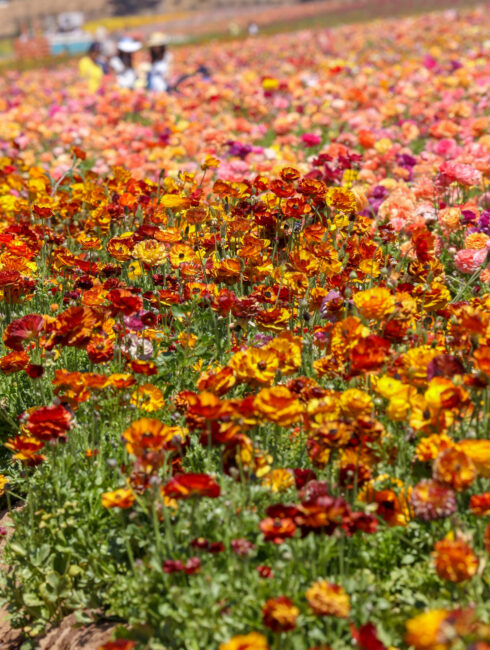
(35, 30)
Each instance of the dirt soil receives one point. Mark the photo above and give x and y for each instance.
(63, 637)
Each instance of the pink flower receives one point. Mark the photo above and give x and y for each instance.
(469, 259)
(311, 139)
(461, 173)
(447, 147)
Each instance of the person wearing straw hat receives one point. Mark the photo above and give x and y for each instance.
(122, 63)
(160, 62)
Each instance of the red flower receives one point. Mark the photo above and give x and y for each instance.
(172, 566)
(125, 302)
(367, 637)
(49, 422)
(22, 330)
(184, 486)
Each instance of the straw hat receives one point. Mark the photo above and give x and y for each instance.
(128, 45)
(157, 39)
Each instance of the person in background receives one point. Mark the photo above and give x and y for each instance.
(160, 61)
(122, 63)
(91, 67)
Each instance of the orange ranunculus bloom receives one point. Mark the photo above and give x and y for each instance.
(277, 530)
(13, 362)
(184, 486)
(430, 447)
(278, 405)
(288, 349)
(255, 365)
(374, 303)
(454, 559)
(218, 382)
(182, 254)
(273, 320)
(27, 449)
(280, 614)
(424, 631)
(478, 451)
(480, 504)
(122, 498)
(252, 641)
(147, 398)
(147, 434)
(482, 358)
(453, 467)
(328, 599)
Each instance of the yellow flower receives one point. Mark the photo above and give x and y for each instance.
(374, 303)
(255, 365)
(328, 599)
(423, 630)
(3, 482)
(252, 641)
(279, 480)
(354, 402)
(122, 498)
(150, 251)
(147, 398)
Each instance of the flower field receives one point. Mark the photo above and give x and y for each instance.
(245, 352)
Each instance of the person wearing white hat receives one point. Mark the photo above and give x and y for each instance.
(160, 63)
(122, 63)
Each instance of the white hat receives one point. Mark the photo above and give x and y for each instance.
(157, 39)
(128, 45)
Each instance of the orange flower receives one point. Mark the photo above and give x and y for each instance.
(13, 362)
(147, 398)
(27, 449)
(147, 434)
(482, 358)
(374, 303)
(182, 254)
(423, 631)
(119, 644)
(328, 599)
(480, 504)
(273, 320)
(218, 382)
(453, 467)
(255, 365)
(122, 498)
(278, 405)
(280, 614)
(252, 641)
(431, 446)
(455, 560)
(478, 451)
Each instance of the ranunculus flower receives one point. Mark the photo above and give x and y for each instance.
(469, 259)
